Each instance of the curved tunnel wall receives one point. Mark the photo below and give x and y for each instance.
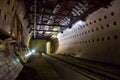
(54, 45)
(12, 14)
(97, 38)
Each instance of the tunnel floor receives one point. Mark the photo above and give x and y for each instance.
(37, 68)
(59, 67)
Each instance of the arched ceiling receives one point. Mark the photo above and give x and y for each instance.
(48, 17)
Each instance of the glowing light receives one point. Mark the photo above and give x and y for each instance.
(48, 47)
(33, 51)
(47, 32)
(28, 54)
(46, 27)
(54, 36)
(56, 29)
(79, 23)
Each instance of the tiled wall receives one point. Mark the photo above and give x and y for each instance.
(10, 65)
(97, 38)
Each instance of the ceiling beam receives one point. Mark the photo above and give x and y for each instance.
(42, 37)
(51, 14)
(49, 25)
(102, 3)
(46, 30)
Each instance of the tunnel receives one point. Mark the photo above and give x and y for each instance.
(59, 39)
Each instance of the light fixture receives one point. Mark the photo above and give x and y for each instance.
(33, 51)
(28, 54)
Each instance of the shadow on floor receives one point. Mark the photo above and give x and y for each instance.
(28, 74)
(37, 68)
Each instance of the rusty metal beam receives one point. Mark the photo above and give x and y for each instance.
(95, 7)
(51, 14)
(42, 37)
(49, 25)
(35, 18)
(46, 30)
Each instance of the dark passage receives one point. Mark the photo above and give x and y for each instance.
(28, 74)
(37, 68)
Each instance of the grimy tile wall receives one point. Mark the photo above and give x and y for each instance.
(97, 38)
(10, 65)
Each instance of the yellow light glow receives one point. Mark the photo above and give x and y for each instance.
(48, 47)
